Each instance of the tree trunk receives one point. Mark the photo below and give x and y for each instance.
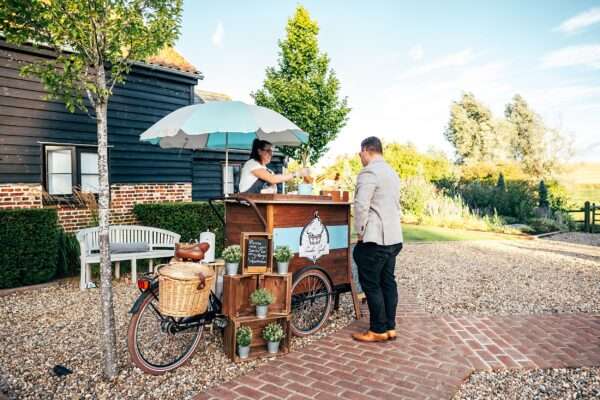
(107, 334)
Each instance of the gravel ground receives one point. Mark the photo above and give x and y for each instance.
(59, 325)
(503, 277)
(577, 237)
(541, 384)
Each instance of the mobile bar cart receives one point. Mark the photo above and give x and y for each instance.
(317, 229)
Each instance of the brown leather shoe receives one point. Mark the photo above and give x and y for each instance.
(370, 336)
(391, 334)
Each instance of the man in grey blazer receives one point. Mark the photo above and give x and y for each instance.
(377, 222)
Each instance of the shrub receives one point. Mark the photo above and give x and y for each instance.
(68, 263)
(232, 254)
(261, 297)
(414, 194)
(243, 336)
(283, 254)
(545, 225)
(186, 219)
(29, 240)
(273, 332)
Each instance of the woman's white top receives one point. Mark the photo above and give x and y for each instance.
(247, 178)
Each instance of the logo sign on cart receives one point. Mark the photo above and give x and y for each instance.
(314, 239)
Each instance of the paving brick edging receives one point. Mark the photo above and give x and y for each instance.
(431, 358)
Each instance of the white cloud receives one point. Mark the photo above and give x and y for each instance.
(416, 53)
(585, 55)
(457, 59)
(218, 34)
(580, 21)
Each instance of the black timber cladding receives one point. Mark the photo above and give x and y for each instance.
(27, 119)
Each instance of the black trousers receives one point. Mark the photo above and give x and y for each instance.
(376, 266)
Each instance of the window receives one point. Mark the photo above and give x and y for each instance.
(69, 167)
(231, 178)
(60, 171)
(90, 179)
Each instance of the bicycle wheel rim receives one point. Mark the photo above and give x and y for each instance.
(154, 349)
(311, 302)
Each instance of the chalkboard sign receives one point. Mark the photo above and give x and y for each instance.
(257, 252)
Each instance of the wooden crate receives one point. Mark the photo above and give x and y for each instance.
(236, 295)
(258, 346)
(280, 285)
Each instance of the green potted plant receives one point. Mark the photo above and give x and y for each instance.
(261, 298)
(243, 337)
(283, 255)
(273, 333)
(232, 256)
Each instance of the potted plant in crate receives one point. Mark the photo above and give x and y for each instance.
(232, 256)
(273, 333)
(261, 298)
(283, 255)
(243, 338)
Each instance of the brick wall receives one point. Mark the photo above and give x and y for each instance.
(123, 198)
(20, 195)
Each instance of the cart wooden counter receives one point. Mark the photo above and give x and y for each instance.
(316, 228)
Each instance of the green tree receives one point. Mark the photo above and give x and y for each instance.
(528, 143)
(95, 43)
(471, 130)
(501, 185)
(304, 89)
(543, 195)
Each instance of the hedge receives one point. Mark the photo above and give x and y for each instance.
(29, 246)
(186, 219)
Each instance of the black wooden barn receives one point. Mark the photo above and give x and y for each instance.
(32, 128)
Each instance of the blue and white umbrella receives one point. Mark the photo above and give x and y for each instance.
(223, 125)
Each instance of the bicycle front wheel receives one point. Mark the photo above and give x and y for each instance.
(159, 343)
(311, 301)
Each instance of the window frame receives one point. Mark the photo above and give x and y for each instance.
(76, 151)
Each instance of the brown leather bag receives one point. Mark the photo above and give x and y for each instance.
(191, 251)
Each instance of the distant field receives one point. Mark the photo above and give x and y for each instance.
(582, 180)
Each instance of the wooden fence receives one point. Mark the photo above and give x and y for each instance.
(590, 217)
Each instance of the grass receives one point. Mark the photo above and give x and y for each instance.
(582, 180)
(420, 233)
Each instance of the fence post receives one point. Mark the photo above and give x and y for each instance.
(593, 226)
(586, 216)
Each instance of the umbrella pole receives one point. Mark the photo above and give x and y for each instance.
(227, 163)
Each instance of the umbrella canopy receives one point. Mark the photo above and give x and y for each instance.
(223, 125)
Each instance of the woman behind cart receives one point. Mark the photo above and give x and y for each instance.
(255, 177)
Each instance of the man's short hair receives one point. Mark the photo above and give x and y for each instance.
(372, 143)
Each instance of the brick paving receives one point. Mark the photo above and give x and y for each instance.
(431, 358)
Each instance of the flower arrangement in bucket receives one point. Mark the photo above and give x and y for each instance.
(283, 255)
(243, 338)
(261, 298)
(273, 333)
(232, 256)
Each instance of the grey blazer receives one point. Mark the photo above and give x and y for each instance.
(377, 204)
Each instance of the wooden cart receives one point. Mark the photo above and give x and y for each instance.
(317, 229)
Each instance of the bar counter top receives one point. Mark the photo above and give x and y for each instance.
(288, 199)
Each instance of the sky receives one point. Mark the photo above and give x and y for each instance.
(401, 64)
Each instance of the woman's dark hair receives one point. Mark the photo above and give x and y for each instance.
(258, 144)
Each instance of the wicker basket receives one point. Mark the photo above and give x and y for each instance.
(178, 289)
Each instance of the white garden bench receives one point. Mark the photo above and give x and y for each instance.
(159, 242)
